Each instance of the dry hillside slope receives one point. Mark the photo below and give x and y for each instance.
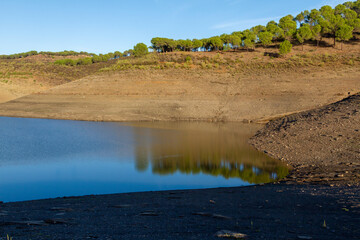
(183, 95)
(227, 86)
(24, 76)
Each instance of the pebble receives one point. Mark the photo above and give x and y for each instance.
(230, 234)
(304, 237)
(149, 213)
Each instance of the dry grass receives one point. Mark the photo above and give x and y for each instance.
(260, 61)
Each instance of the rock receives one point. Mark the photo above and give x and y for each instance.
(220, 216)
(55, 221)
(202, 214)
(121, 206)
(28, 223)
(205, 214)
(149, 213)
(304, 237)
(61, 209)
(230, 234)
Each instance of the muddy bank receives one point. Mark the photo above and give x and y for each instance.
(274, 211)
(323, 145)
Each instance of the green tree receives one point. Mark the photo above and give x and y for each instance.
(226, 38)
(351, 19)
(356, 6)
(344, 33)
(276, 31)
(250, 39)
(302, 17)
(330, 22)
(339, 9)
(140, 50)
(288, 25)
(185, 45)
(249, 44)
(257, 29)
(117, 54)
(316, 34)
(265, 38)
(157, 44)
(239, 34)
(303, 33)
(188, 45)
(285, 47)
(216, 43)
(235, 41)
(196, 44)
(349, 4)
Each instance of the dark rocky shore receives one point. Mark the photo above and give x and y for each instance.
(274, 211)
(319, 200)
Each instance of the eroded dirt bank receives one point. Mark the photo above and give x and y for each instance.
(323, 145)
(190, 94)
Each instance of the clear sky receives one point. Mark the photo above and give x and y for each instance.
(103, 26)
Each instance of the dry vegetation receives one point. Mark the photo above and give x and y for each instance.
(21, 77)
(211, 86)
(260, 60)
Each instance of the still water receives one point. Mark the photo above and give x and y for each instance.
(42, 158)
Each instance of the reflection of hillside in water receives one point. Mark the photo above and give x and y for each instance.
(220, 151)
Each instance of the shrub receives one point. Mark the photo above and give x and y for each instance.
(84, 61)
(285, 47)
(68, 62)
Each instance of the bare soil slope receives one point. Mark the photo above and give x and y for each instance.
(21, 77)
(186, 94)
(211, 86)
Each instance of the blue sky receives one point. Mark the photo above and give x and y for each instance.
(102, 26)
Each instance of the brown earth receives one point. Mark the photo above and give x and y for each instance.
(223, 86)
(187, 94)
(323, 145)
(34, 74)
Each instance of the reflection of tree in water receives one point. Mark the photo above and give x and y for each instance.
(218, 153)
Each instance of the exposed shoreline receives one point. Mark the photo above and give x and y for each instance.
(273, 211)
(323, 144)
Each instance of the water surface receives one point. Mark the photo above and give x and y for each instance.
(42, 158)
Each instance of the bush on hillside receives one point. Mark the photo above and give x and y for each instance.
(285, 47)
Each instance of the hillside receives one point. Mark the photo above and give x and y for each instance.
(24, 76)
(214, 86)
